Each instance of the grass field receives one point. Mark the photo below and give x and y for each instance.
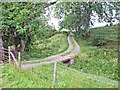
(94, 66)
(103, 60)
(41, 77)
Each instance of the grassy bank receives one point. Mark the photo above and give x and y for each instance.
(99, 60)
(47, 47)
(41, 77)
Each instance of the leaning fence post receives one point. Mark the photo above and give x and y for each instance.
(54, 74)
(9, 54)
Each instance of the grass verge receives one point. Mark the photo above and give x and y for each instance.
(41, 77)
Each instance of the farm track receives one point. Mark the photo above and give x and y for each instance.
(58, 57)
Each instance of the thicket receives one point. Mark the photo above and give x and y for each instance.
(24, 21)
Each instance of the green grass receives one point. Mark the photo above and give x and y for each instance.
(17, 78)
(108, 32)
(102, 61)
(94, 67)
(47, 47)
(41, 77)
(108, 36)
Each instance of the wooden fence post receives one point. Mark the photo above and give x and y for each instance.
(9, 54)
(19, 56)
(54, 74)
(16, 62)
(19, 59)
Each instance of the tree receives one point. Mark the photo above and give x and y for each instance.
(77, 15)
(22, 21)
(1, 48)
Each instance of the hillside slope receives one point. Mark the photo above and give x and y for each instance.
(94, 67)
(41, 77)
(99, 60)
(46, 47)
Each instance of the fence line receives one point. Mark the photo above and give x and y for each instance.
(4, 49)
(16, 62)
(3, 55)
(10, 54)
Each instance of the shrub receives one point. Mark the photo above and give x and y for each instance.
(98, 40)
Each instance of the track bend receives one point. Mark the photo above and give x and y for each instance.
(57, 57)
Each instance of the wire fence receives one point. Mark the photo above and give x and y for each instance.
(7, 56)
(56, 75)
(3, 54)
(70, 77)
(49, 74)
(53, 75)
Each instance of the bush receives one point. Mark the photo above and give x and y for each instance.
(98, 41)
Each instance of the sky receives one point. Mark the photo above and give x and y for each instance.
(98, 24)
(54, 22)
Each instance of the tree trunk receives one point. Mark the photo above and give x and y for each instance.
(1, 48)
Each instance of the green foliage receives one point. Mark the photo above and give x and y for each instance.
(77, 15)
(98, 41)
(23, 20)
(93, 67)
(74, 17)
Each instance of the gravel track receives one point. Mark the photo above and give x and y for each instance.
(57, 57)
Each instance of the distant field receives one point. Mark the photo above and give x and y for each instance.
(108, 35)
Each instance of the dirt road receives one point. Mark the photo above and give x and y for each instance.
(57, 57)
